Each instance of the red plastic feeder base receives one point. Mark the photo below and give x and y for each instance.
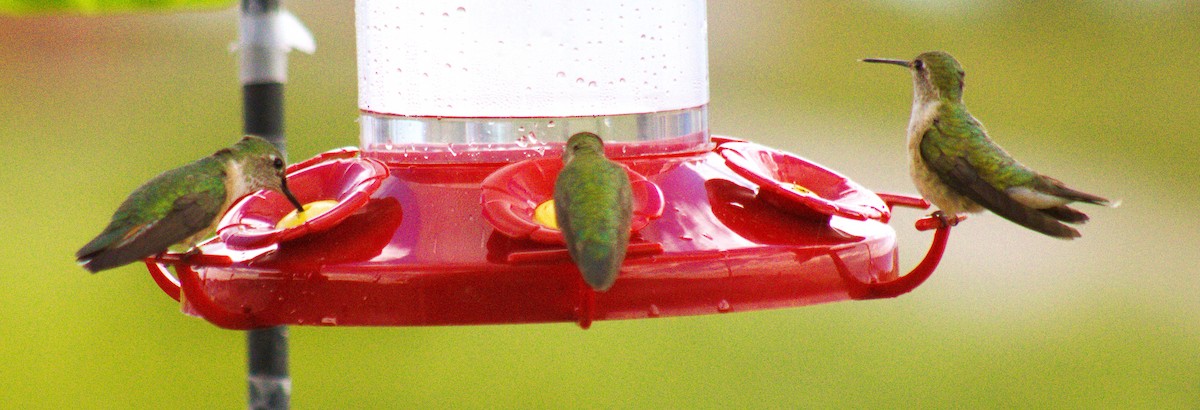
(411, 245)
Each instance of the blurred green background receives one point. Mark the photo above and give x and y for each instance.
(1099, 94)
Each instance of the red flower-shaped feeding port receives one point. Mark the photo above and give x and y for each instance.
(795, 185)
(511, 194)
(251, 223)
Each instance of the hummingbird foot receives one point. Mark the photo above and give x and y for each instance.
(188, 254)
(946, 220)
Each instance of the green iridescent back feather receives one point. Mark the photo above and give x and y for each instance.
(957, 133)
(593, 207)
(153, 200)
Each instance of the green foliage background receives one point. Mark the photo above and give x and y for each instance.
(28, 7)
(1100, 94)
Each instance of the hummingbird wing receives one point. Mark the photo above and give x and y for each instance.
(190, 214)
(150, 221)
(964, 178)
(593, 206)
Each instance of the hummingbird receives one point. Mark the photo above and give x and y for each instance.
(593, 205)
(183, 205)
(958, 168)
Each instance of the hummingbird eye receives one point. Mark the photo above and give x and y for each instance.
(277, 162)
(918, 65)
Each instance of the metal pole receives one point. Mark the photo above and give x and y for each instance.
(268, 383)
(263, 71)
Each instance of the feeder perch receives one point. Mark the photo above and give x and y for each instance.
(434, 222)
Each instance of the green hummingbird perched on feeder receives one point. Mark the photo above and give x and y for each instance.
(959, 169)
(183, 205)
(593, 206)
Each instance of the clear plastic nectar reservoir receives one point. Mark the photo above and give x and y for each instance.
(441, 80)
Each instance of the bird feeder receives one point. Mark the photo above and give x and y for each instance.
(465, 110)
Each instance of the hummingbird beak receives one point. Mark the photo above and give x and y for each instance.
(288, 193)
(888, 61)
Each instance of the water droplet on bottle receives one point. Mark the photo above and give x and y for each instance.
(579, 80)
(723, 306)
(461, 9)
(654, 312)
(550, 124)
(523, 140)
(329, 321)
(560, 74)
(445, 14)
(591, 84)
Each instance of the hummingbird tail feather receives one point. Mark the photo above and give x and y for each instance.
(1059, 189)
(1066, 214)
(104, 261)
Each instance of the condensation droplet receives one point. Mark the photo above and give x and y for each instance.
(723, 306)
(522, 141)
(591, 84)
(461, 9)
(579, 80)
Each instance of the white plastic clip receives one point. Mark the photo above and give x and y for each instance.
(264, 41)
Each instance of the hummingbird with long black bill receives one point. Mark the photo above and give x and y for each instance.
(183, 205)
(957, 167)
(593, 206)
